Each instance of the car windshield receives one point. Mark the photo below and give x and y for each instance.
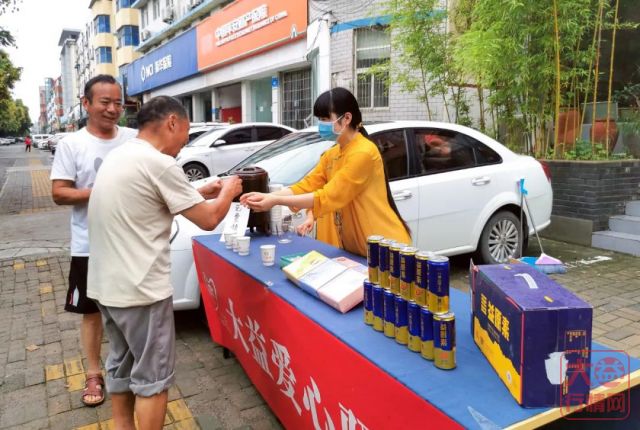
(288, 159)
(206, 139)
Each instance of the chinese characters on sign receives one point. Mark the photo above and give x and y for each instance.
(495, 316)
(246, 23)
(235, 221)
(164, 63)
(284, 377)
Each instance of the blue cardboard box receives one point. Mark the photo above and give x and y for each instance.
(535, 333)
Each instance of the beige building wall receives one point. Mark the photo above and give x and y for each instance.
(117, 19)
(98, 40)
(128, 16)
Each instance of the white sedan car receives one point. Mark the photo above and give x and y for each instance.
(456, 188)
(225, 145)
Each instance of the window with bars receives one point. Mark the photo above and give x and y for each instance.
(296, 98)
(373, 47)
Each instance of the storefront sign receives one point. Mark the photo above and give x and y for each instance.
(247, 27)
(171, 62)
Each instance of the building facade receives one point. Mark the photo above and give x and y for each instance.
(68, 73)
(46, 95)
(253, 59)
(360, 41)
(54, 108)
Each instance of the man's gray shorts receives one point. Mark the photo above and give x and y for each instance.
(141, 348)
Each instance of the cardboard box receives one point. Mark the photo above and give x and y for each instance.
(535, 333)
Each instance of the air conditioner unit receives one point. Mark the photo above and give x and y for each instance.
(168, 16)
(145, 34)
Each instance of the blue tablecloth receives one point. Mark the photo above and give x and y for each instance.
(473, 387)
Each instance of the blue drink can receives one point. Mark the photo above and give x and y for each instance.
(368, 303)
(426, 333)
(407, 271)
(373, 257)
(444, 341)
(438, 295)
(394, 266)
(413, 311)
(389, 314)
(383, 262)
(378, 306)
(402, 331)
(420, 287)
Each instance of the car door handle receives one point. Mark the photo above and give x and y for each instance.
(402, 195)
(483, 180)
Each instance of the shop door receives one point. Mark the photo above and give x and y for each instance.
(262, 96)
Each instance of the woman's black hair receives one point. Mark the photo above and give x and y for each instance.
(340, 101)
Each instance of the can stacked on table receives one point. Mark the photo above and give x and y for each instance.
(407, 298)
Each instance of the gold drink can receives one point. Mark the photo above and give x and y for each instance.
(389, 314)
(438, 287)
(426, 333)
(373, 257)
(378, 307)
(407, 271)
(394, 266)
(420, 287)
(413, 312)
(401, 331)
(444, 341)
(383, 262)
(368, 302)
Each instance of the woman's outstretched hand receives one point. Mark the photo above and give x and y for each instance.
(258, 202)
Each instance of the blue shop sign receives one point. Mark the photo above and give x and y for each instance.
(176, 60)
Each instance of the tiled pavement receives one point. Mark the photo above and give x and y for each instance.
(40, 358)
(42, 368)
(41, 365)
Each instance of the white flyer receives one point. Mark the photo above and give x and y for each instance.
(235, 221)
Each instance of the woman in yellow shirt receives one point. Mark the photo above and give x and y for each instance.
(347, 191)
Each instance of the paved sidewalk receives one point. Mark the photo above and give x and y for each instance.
(42, 368)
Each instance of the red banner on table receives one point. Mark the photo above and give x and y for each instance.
(310, 378)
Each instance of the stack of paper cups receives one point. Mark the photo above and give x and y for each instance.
(276, 211)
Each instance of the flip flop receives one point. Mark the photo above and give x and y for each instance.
(94, 386)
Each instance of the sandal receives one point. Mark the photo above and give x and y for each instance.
(94, 386)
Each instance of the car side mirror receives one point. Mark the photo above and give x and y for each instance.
(218, 142)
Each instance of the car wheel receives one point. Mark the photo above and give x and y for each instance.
(500, 239)
(195, 172)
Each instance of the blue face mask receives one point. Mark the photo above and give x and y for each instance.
(325, 129)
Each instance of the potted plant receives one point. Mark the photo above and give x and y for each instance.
(629, 117)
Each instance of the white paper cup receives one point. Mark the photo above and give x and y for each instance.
(243, 245)
(268, 254)
(235, 242)
(228, 240)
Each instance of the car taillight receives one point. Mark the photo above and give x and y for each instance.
(546, 169)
